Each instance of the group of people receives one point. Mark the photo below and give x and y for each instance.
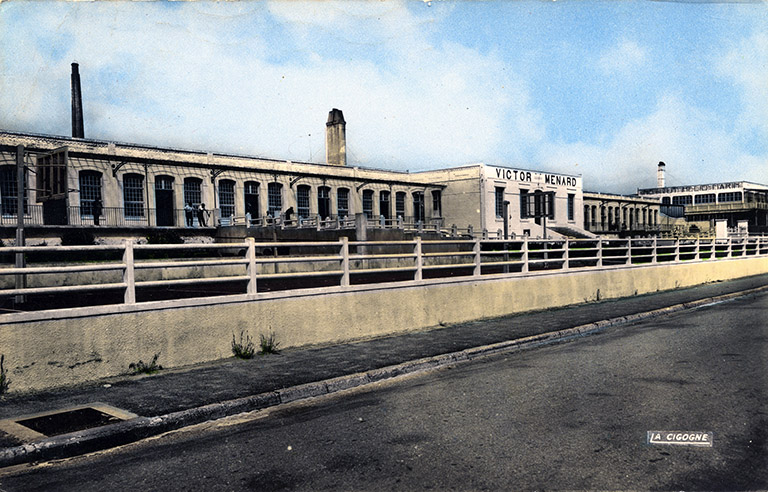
(189, 213)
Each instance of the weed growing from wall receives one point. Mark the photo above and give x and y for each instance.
(4, 381)
(268, 343)
(244, 347)
(143, 368)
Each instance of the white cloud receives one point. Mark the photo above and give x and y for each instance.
(687, 139)
(165, 75)
(624, 58)
(746, 65)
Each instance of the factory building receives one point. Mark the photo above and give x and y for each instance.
(737, 203)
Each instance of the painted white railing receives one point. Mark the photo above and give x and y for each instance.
(355, 262)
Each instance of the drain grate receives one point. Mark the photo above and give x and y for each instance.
(29, 428)
(71, 421)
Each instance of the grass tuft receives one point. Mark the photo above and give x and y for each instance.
(143, 368)
(268, 343)
(244, 347)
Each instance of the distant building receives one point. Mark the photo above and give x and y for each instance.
(621, 215)
(143, 186)
(734, 202)
(475, 196)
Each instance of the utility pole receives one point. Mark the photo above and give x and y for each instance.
(21, 279)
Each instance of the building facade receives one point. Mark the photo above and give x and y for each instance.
(134, 185)
(734, 202)
(483, 196)
(620, 215)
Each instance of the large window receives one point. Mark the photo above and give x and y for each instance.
(192, 191)
(133, 196)
(274, 199)
(418, 206)
(227, 197)
(384, 206)
(251, 198)
(368, 203)
(524, 204)
(499, 200)
(400, 204)
(9, 189)
(705, 198)
(682, 200)
(342, 202)
(90, 191)
(302, 201)
(734, 196)
(324, 202)
(437, 205)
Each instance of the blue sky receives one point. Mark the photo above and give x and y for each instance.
(605, 89)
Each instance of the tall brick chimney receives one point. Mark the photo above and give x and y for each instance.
(77, 104)
(336, 139)
(660, 175)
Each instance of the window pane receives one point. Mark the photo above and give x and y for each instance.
(90, 190)
(274, 199)
(227, 197)
(192, 193)
(342, 202)
(8, 190)
(133, 195)
(400, 204)
(368, 203)
(302, 201)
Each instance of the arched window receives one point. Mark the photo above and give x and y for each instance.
(227, 197)
(385, 209)
(342, 202)
(368, 203)
(133, 196)
(164, 202)
(193, 191)
(400, 204)
(251, 196)
(586, 217)
(274, 199)
(302, 201)
(324, 202)
(90, 190)
(418, 206)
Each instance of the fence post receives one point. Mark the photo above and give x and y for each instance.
(419, 259)
(477, 271)
(654, 254)
(566, 254)
(345, 261)
(599, 252)
(129, 273)
(251, 242)
(677, 249)
(525, 254)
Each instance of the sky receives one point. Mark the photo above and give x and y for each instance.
(603, 89)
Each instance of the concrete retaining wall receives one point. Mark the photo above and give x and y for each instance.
(77, 345)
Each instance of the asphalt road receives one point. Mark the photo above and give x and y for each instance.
(566, 416)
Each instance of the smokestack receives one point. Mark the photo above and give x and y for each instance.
(336, 139)
(660, 175)
(77, 104)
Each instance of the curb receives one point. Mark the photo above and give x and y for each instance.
(121, 433)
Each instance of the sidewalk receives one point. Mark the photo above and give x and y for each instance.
(190, 388)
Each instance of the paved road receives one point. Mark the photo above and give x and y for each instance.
(572, 415)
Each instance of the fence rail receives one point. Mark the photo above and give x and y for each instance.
(294, 265)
